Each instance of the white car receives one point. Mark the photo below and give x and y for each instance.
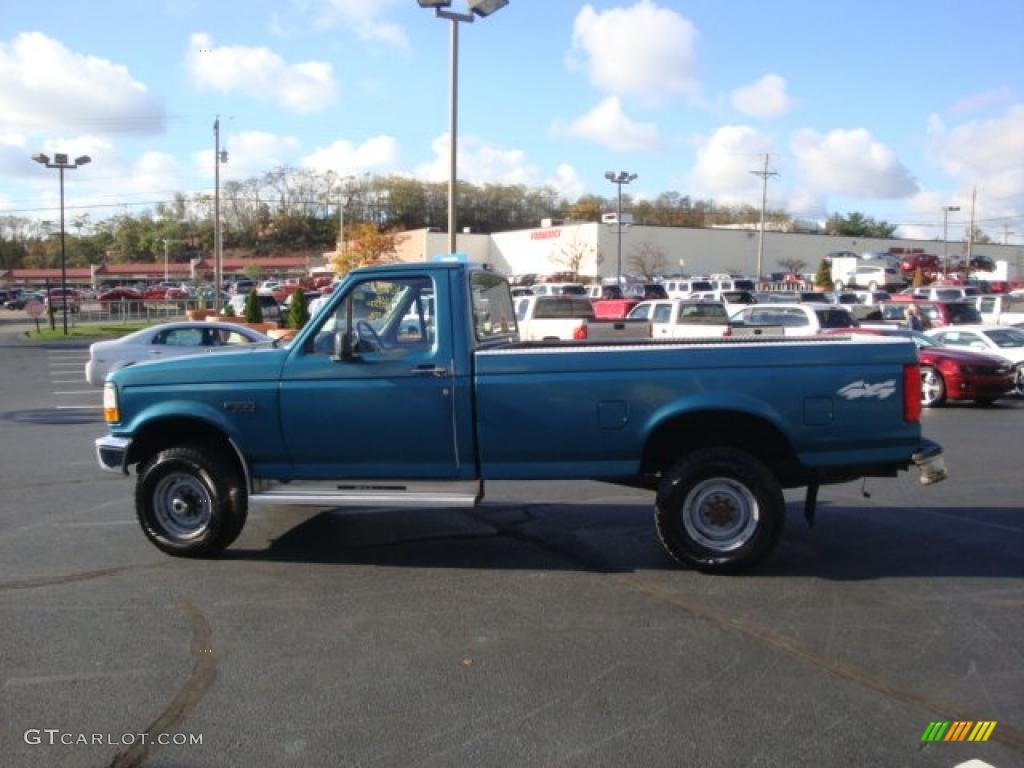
(804, 319)
(683, 319)
(1002, 341)
(164, 341)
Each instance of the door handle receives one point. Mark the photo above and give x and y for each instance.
(429, 370)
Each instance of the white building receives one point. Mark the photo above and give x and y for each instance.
(550, 249)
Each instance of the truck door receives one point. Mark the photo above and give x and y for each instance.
(385, 407)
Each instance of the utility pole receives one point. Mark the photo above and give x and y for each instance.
(970, 232)
(764, 174)
(1006, 234)
(217, 265)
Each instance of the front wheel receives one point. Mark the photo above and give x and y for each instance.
(190, 501)
(933, 388)
(719, 510)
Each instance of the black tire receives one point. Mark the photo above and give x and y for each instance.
(1019, 385)
(933, 387)
(746, 491)
(190, 501)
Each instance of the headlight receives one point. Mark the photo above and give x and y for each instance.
(110, 411)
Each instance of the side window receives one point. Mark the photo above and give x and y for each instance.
(521, 308)
(987, 305)
(662, 313)
(641, 311)
(391, 317)
(493, 314)
(180, 337)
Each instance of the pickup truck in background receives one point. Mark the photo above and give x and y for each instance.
(683, 319)
(367, 408)
(1001, 309)
(551, 318)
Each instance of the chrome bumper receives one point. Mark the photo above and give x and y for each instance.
(930, 463)
(111, 452)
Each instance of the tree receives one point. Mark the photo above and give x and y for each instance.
(857, 224)
(647, 260)
(253, 271)
(823, 277)
(298, 312)
(253, 310)
(574, 253)
(793, 265)
(367, 245)
(918, 278)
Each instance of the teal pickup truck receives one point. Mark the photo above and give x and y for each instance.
(411, 388)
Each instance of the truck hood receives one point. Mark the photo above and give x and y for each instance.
(262, 364)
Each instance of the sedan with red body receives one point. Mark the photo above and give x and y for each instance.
(948, 373)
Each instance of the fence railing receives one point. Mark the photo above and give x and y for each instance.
(129, 311)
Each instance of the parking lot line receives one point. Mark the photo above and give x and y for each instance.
(67, 381)
(78, 392)
(79, 407)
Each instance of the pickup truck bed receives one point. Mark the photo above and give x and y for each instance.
(377, 402)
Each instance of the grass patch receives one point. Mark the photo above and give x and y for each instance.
(100, 331)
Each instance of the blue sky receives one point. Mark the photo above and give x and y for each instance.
(892, 109)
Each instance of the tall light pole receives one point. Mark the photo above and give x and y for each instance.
(481, 8)
(60, 162)
(618, 179)
(218, 244)
(345, 199)
(945, 234)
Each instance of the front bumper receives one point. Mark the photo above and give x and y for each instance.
(930, 463)
(112, 453)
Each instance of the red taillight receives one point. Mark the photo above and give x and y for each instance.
(580, 334)
(912, 393)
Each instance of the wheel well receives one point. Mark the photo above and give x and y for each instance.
(705, 429)
(166, 433)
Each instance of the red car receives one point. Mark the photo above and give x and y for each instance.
(928, 263)
(952, 373)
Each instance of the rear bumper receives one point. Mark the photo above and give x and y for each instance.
(112, 453)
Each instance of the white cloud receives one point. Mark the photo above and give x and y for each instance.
(479, 163)
(566, 182)
(765, 98)
(44, 85)
(725, 161)
(303, 87)
(250, 153)
(379, 153)
(607, 125)
(976, 102)
(851, 162)
(364, 18)
(644, 50)
(983, 147)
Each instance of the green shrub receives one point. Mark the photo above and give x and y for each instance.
(253, 310)
(298, 311)
(823, 277)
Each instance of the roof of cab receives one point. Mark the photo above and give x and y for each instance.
(416, 266)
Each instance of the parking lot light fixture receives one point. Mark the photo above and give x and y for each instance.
(945, 235)
(61, 163)
(481, 8)
(618, 179)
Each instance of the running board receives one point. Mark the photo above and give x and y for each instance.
(368, 493)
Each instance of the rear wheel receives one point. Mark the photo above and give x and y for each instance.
(933, 388)
(1019, 385)
(719, 510)
(190, 501)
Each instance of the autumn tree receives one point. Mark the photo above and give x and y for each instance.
(365, 246)
(794, 265)
(647, 260)
(574, 254)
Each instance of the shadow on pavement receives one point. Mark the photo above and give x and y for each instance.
(847, 544)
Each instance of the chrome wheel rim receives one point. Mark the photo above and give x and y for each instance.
(183, 506)
(720, 514)
(931, 387)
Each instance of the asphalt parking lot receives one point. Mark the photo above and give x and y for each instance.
(546, 627)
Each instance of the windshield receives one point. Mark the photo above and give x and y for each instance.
(1006, 337)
